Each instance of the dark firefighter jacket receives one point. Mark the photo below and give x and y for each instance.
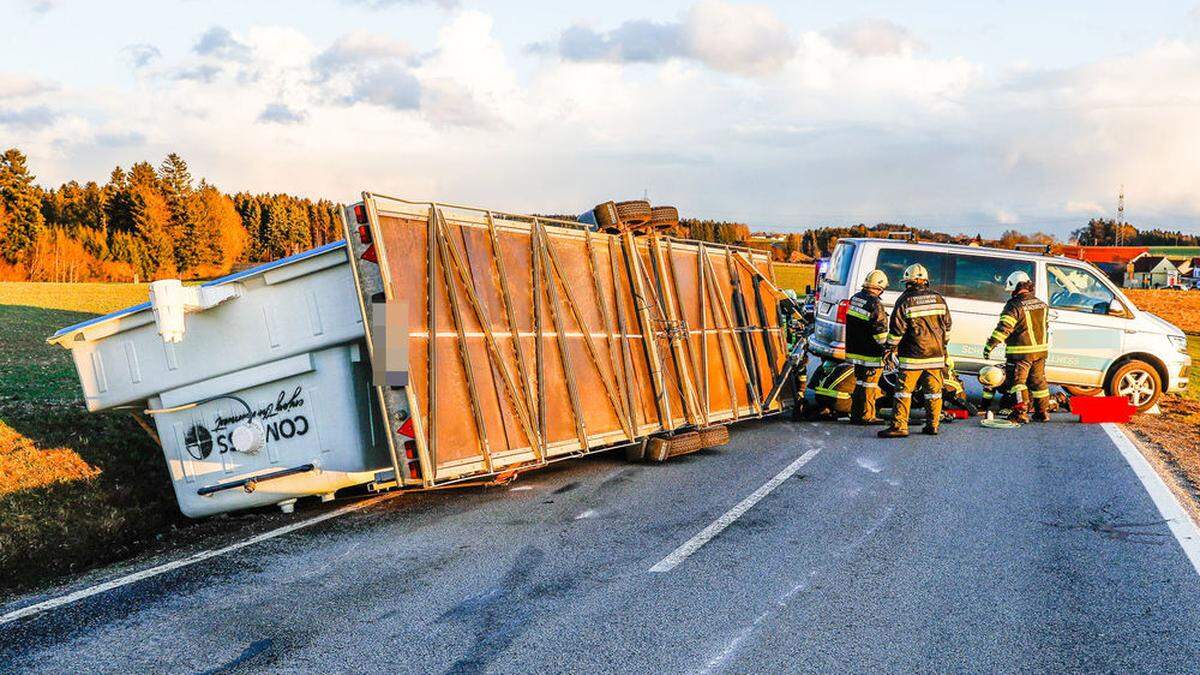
(920, 329)
(1022, 328)
(833, 384)
(866, 329)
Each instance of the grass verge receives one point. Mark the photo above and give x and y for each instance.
(76, 489)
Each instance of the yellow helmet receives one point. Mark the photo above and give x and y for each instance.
(915, 272)
(991, 376)
(876, 279)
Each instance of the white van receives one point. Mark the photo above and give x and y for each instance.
(1098, 339)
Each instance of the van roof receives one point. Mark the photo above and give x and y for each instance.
(963, 248)
(259, 269)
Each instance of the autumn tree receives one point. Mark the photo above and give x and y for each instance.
(22, 203)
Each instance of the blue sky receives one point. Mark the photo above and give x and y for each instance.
(965, 116)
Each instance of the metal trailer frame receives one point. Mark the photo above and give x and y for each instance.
(638, 302)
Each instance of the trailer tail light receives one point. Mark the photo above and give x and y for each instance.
(413, 472)
(406, 429)
(360, 213)
(410, 450)
(364, 234)
(842, 308)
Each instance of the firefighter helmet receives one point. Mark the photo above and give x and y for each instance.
(1015, 279)
(876, 279)
(791, 294)
(991, 376)
(915, 272)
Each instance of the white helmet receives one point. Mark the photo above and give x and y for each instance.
(789, 293)
(915, 272)
(991, 376)
(876, 279)
(1018, 277)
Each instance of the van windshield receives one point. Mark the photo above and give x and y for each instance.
(839, 263)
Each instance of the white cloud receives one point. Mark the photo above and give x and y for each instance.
(747, 39)
(141, 55)
(875, 37)
(1006, 217)
(809, 129)
(12, 86)
(1084, 207)
(219, 43)
(281, 113)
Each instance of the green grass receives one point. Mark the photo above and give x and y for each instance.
(1193, 390)
(76, 489)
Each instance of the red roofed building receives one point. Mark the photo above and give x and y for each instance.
(1119, 255)
(1113, 260)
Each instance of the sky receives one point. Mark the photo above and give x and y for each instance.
(965, 117)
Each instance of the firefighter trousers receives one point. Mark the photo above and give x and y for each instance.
(866, 392)
(1026, 381)
(930, 382)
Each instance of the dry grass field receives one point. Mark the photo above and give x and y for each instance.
(76, 490)
(795, 277)
(1181, 308)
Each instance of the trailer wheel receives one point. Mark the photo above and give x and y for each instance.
(634, 213)
(664, 218)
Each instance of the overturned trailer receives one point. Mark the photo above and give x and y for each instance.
(500, 343)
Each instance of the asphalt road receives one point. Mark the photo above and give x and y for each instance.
(1034, 549)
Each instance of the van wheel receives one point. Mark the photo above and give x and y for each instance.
(1075, 390)
(1137, 381)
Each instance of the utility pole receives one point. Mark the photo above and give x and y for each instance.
(1121, 216)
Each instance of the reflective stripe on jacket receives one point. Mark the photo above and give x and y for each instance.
(866, 329)
(1022, 327)
(920, 328)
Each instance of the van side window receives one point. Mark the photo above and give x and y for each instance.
(893, 261)
(983, 278)
(1078, 290)
(839, 263)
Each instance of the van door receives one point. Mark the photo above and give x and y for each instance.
(973, 286)
(1087, 325)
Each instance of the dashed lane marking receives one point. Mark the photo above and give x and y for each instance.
(704, 536)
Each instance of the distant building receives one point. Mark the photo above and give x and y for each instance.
(1112, 260)
(1152, 271)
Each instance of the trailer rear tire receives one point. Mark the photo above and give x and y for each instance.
(633, 213)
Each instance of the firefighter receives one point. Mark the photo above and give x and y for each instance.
(832, 384)
(920, 329)
(1022, 329)
(991, 378)
(866, 335)
(954, 394)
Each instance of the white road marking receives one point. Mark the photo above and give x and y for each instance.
(590, 513)
(54, 603)
(1182, 526)
(520, 488)
(692, 545)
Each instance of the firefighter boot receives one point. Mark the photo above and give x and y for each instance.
(1019, 414)
(1040, 409)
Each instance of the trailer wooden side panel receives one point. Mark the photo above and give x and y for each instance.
(545, 340)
